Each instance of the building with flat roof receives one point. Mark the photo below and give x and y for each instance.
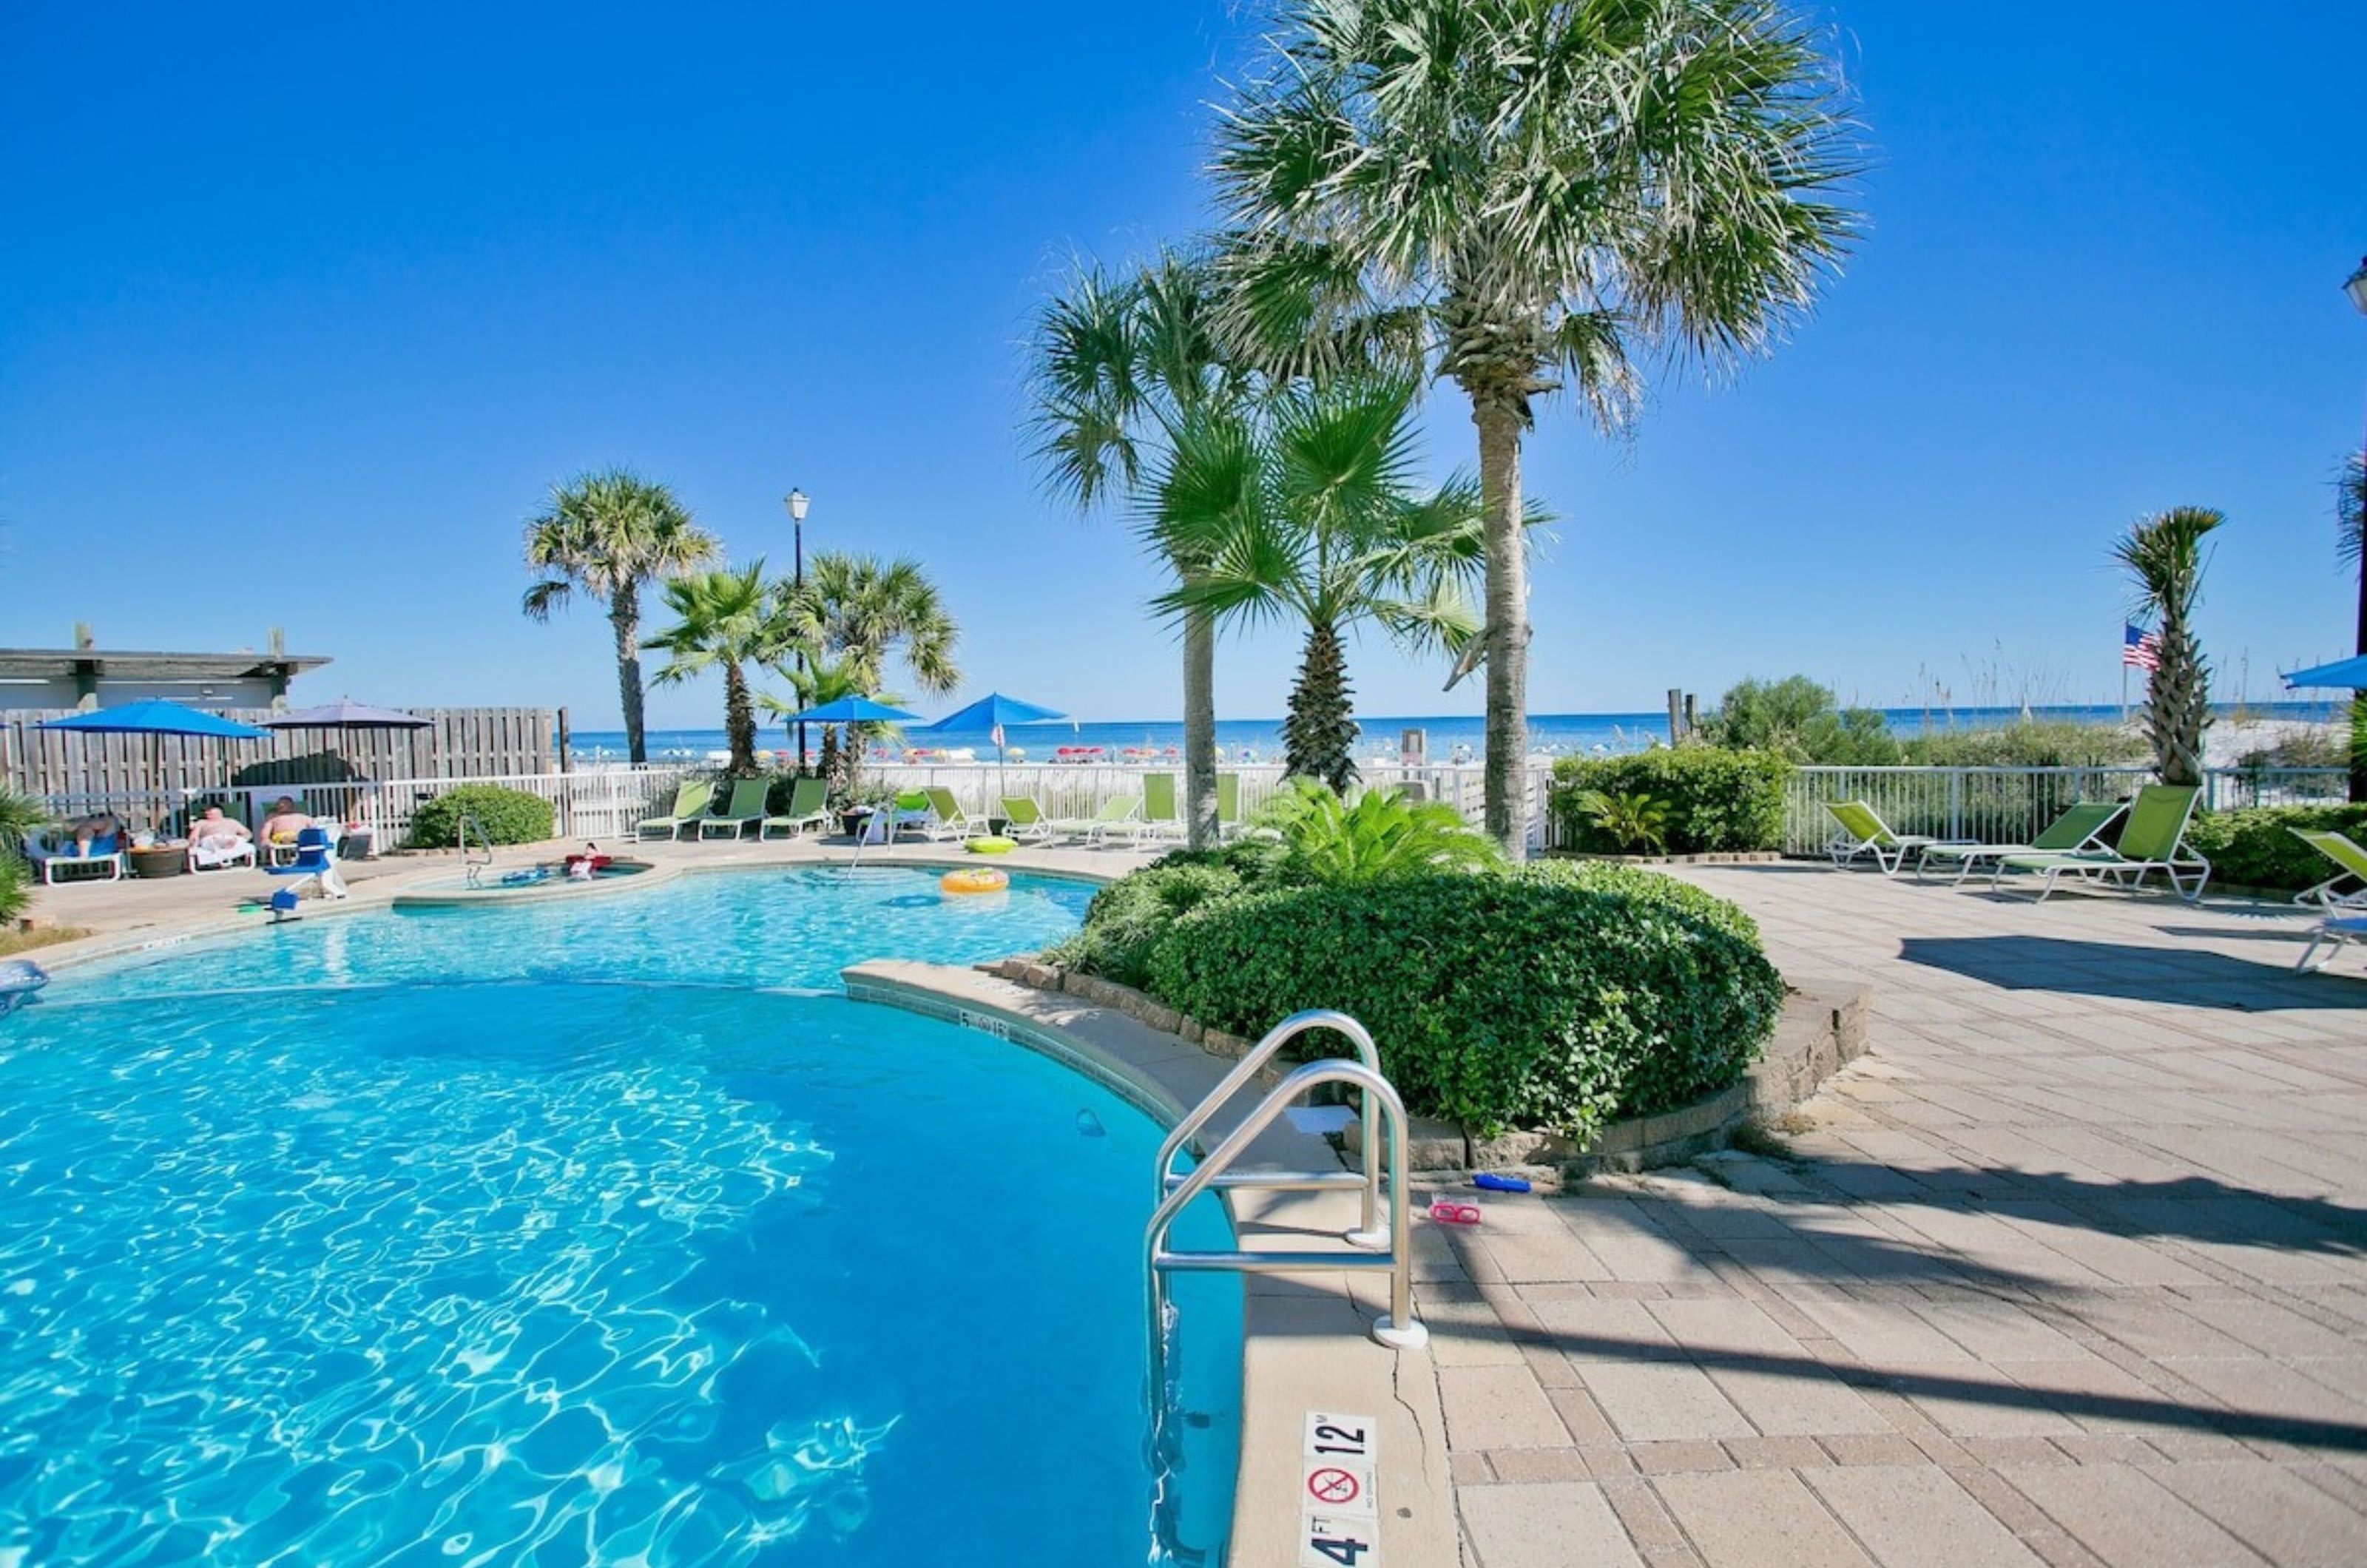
(87, 676)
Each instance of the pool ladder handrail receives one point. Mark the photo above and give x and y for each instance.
(472, 868)
(1368, 1233)
(1398, 1328)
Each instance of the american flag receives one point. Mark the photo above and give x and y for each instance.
(2140, 647)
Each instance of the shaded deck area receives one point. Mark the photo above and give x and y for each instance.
(2071, 1269)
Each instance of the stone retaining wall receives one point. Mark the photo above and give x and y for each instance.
(1822, 1028)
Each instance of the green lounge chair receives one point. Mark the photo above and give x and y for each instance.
(1162, 816)
(1116, 812)
(744, 810)
(1229, 822)
(1863, 832)
(808, 807)
(2077, 828)
(2153, 840)
(909, 813)
(690, 802)
(1024, 819)
(2344, 853)
(947, 820)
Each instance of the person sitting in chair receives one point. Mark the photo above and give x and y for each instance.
(101, 832)
(285, 822)
(215, 838)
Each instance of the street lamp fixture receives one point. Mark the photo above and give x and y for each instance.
(2356, 287)
(796, 501)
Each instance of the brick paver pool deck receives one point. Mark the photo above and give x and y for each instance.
(2072, 1269)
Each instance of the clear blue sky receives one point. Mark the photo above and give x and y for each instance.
(329, 297)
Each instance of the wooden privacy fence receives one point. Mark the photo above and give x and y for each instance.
(457, 743)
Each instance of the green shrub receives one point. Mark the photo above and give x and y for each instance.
(1559, 997)
(1637, 823)
(1635, 882)
(16, 887)
(2254, 847)
(1718, 801)
(2048, 744)
(1126, 918)
(507, 816)
(1798, 718)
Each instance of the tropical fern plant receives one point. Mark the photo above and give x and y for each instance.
(1637, 821)
(1379, 837)
(2164, 557)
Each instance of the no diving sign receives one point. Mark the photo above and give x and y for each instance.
(1339, 1515)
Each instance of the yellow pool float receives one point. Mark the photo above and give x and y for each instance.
(985, 879)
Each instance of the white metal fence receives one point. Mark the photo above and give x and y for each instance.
(1998, 804)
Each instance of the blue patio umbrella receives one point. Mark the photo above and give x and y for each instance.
(157, 719)
(2350, 672)
(852, 710)
(990, 712)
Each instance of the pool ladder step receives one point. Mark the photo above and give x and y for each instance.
(1377, 1242)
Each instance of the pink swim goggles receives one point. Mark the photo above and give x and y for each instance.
(1451, 1213)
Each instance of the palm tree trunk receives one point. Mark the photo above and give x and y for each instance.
(625, 616)
(2358, 704)
(739, 721)
(1319, 736)
(1200, 729)
(1506, 776)
(2178, 701)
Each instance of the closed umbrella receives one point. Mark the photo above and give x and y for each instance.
(156, 720)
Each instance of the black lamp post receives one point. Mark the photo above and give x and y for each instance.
(2356, 287)
(797, 502)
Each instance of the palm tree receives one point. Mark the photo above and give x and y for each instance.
(2350, 524)
(828, 681)
(862, 610)
(729, 620)
(608, 534)
(1306, 511)
(2164, 554)
(1118, 366)
(1522, 194)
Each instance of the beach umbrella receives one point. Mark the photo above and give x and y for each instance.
(347, 713)
(2350, 672)
(852, 710)
(156, 720)
(990, 712)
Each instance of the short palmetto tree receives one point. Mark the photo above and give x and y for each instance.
(1117, 364)
(1525, 195)
(2164, 557)
(853, 615)
(725, 621)
(608, 535)
(1301, 507)
(829, 681)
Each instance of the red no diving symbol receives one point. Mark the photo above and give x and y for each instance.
(1332, 1486)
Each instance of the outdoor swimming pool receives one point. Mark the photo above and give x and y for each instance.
(582, 1232)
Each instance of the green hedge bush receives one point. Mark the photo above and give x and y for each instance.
(508, 816)
(1129, 916)
(2254, 847)
(1718, 801)
(1556, 997)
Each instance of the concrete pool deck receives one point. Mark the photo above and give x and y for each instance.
(2071, 1269)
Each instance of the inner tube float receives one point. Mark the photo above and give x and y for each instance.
(19, 979)
(984, 879)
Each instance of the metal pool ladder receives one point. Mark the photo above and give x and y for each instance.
(1369, 1246)
(472, 867)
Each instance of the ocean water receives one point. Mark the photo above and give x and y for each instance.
(398, 1247)
(1244, 740)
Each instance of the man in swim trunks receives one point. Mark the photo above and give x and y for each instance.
(285, 822)
(214, 837)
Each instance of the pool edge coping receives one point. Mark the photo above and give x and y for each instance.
(1304, 1345)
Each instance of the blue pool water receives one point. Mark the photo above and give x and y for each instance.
(581, 1234)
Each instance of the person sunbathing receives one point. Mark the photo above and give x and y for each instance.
(214, 837)
(97, 826)
(285, 822)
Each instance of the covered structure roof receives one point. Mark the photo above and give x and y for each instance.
(65, 664)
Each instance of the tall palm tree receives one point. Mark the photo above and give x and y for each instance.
(2164, 555)
(1117, 364)
(728, 620)
(1524, 195)
(2350, 525)
(1307, 511)
(608, 533)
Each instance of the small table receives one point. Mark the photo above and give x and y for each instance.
(159, 859)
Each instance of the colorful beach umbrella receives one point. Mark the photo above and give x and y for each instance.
(990, 712)
(2350, 672)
